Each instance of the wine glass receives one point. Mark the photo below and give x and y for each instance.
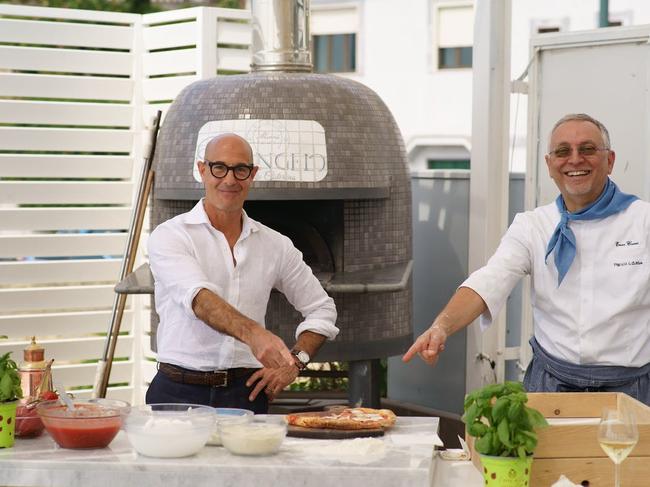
(617, 435)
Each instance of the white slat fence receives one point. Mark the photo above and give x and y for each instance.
(77, 91)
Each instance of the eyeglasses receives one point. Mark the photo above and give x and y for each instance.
(220, 170)
(586, 150)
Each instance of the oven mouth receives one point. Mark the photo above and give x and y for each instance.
(314, 227)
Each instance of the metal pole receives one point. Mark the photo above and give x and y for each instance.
(135, 227)
(603, 16)
(488, 218)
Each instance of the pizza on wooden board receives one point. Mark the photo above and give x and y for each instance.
(345, 419)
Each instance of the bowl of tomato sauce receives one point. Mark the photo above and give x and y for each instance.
(91, 424)
(28, 423)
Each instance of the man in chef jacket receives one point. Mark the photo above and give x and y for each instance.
(589, 260)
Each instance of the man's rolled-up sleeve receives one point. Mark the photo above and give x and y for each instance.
(495, 281)
(301, 288)
(176, 271)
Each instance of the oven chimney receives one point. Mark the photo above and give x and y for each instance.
(281, 35)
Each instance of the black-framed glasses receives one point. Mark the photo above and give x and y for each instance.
(586, 150)
(220, 170)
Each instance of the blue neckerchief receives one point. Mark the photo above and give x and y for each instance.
(563, 240)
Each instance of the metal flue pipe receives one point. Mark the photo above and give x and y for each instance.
(281, 35)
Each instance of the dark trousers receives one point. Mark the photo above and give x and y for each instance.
(234, 395)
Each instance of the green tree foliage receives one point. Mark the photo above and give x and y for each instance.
(134, 6)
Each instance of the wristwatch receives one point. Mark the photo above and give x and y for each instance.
(302, 358)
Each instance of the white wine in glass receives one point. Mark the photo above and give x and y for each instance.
(617, 435)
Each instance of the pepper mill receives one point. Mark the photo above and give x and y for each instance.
(35, 373)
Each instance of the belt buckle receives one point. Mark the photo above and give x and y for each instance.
(221, 378)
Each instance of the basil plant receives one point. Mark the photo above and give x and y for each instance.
(497, 416)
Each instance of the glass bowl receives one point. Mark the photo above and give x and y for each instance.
(28, 423)
(228, 415)
(168, 430)
(92, 424)
(261, 436)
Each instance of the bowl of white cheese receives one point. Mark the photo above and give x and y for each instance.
(228, 415)
(169, 430)
(263, 435)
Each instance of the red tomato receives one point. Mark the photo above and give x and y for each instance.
(49, 396)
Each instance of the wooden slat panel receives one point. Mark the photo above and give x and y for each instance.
(66, 60)
(56, 298)
(583, 405)
(171, 16)
(61, 325)
(149, 370)
(124, 393)
(26, 219)
(167, 36)
(82, 140)
(233, 14)
(84, 374)
(59, 272)
(65, 34)
(594, 472)
(149, 111)
(233, 59)
(65, 192)
(62, 245)
(165, 88)
(179, 61)
(58, 113)
(73, 349)
(69, 87)
(68, 14)
(233, 33)
(65, 166)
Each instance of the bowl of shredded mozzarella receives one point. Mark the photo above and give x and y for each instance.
(230, 416)
(169, 430)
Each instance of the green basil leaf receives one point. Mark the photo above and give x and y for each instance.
(477, 429)
(500, 408)
(484, 445)
(503, 430)
(6, 387)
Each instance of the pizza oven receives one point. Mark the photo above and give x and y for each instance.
(333, 177)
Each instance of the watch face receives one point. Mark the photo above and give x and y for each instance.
(303, 356)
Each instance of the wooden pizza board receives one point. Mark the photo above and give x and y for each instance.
(330, 434)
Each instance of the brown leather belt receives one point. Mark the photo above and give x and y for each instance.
(218, 378)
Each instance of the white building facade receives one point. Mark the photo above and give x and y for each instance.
(416, 55)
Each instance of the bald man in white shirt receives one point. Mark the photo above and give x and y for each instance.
(214, 268)
(589, 259)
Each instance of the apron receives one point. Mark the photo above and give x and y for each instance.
(546, 373)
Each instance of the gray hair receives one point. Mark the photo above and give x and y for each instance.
(582, 117)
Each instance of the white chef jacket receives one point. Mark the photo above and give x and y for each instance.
(186, 254)
(600, 314)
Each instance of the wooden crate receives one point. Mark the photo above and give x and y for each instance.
(569, 445)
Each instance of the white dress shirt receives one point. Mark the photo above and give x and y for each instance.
(600, 314)
(187, 253)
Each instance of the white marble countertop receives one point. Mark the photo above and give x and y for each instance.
(405, 457)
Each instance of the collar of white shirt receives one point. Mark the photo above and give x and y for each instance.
(198, 216)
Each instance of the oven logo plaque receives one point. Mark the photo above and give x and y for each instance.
(284, 150)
